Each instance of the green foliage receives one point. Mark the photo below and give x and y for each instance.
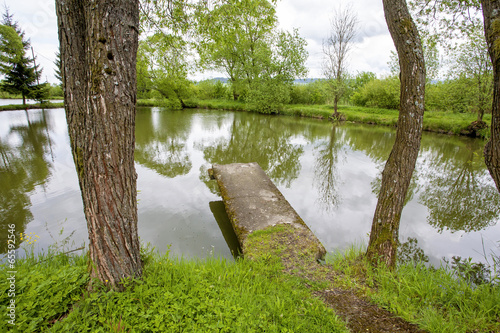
(162, 59)
(11, 47)
(46, 287)
(269, 96)
(21, 74)
(315, 92)
(55, 90)
(378, 93)
(211, 89)
(250, 49)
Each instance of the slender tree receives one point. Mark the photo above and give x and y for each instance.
(98, 45)
(384, 236)
(491, 14)
(336, 48)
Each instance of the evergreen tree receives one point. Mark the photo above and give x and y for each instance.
(21, 73)
(57, 62)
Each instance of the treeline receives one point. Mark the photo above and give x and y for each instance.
(458, 95)
(261, 62)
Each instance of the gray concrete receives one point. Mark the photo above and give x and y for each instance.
(253, 202)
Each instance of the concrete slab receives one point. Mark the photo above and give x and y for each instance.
(254, 203)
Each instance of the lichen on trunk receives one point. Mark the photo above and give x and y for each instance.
(399, 168)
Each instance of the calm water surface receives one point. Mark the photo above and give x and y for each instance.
(330, 174)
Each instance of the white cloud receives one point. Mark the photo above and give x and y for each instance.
(312, 18)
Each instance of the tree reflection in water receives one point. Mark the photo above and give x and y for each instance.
(456, 188)
(161, 137)
(24, 164)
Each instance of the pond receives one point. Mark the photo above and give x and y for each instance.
(329, 173)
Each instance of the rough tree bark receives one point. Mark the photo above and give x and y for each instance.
(491, 15)
(384, 236)
(98, 43)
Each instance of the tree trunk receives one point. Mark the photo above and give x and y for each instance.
(399, 168)
(335, 113)
(99, 40)
(491, 14)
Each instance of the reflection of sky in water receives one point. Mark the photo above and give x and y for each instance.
(173, 206)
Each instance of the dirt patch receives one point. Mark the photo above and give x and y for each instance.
(295, 251)
(363, 316)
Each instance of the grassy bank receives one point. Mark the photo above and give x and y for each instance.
(438, 300)
(215, 295)
(440, 122)
(31, 106)
(174, 296)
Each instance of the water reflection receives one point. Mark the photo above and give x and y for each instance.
(329, 153)
(330, 174)
(409, 251)
(254, 138)
(161, 141)
(24, 164)
(456, 187)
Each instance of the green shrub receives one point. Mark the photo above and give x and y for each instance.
(211, 89)
(46, 287)
(268, 96)
(315, 92)
(378, 93)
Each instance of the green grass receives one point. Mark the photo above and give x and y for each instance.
(437, 300)
(212, 295)
(31, 106)
(440, 122)
(216, 295)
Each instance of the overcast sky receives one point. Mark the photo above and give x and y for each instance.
(312, 17)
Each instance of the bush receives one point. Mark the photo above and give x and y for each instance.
(211, 89)
(378, 93)
(269, 96)
(315, 92)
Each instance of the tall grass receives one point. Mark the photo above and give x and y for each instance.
(174, 295)
(438, 300)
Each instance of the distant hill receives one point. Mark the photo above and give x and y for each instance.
(297, 81)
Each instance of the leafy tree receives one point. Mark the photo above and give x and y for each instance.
(233, 36)
(380, 93)
(240, 37)
(163, 67)
(11, 47)
(459, 18)
(336, 48)
(471, 62)
(270, 90)
(164, 51)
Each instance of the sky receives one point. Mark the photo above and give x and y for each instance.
(371, 51)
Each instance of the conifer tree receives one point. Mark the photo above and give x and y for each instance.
(21, 73)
